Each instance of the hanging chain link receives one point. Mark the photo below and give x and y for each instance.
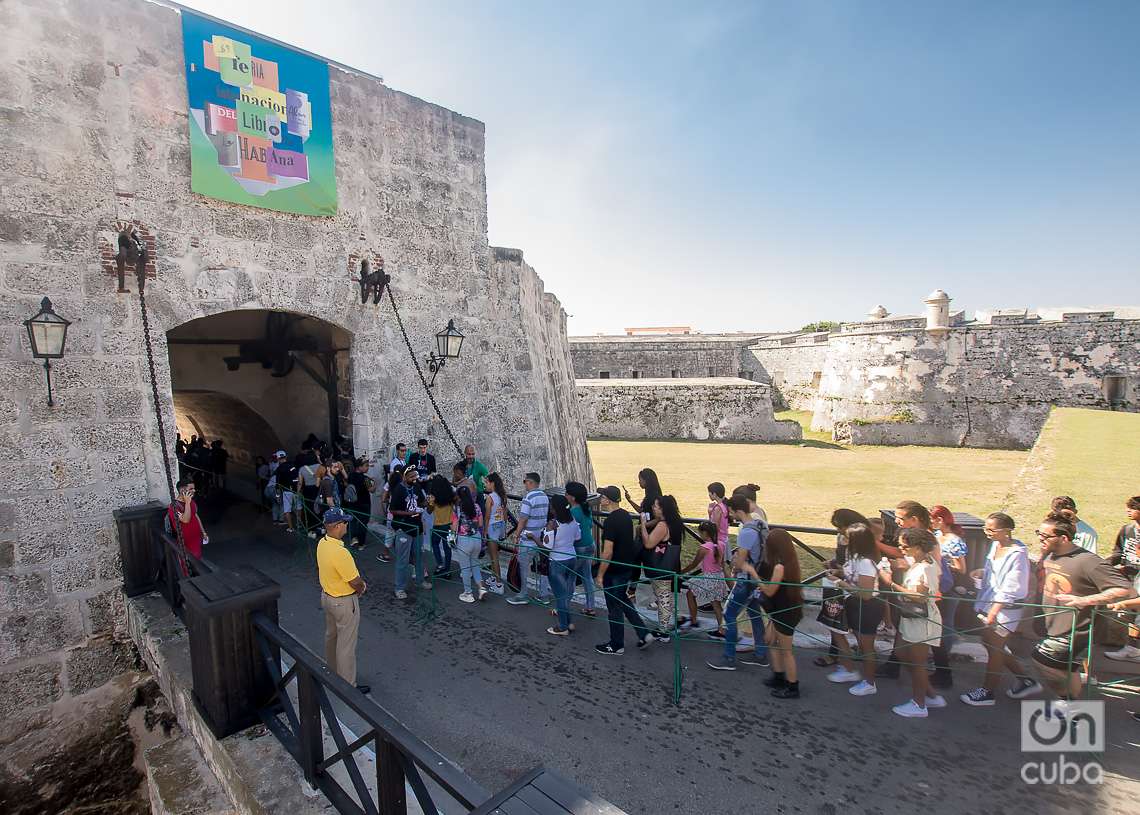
(420, 371)
(140, 270)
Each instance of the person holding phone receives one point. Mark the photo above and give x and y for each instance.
(184, 513)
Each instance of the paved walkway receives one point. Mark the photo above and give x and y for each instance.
(485, 685)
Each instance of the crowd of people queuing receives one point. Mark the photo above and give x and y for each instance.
(903, 576)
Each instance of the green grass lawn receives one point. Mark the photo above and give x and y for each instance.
(801, 484)
(1083, 453)
(1087, 454)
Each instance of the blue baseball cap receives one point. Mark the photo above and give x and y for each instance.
(336, 515)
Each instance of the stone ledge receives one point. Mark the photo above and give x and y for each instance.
(255, 772)
(179, 782)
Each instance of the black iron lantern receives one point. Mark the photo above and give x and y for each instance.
(448, 344)
(47, 333)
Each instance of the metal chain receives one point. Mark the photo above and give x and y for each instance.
(419, 370)
(140, 270)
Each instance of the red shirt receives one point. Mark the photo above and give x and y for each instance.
(192, 532)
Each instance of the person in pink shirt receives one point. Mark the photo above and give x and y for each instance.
(718, 514)
(709, 586)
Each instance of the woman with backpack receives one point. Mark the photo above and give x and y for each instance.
(661, 557)
(467, 525)
(1004, 580)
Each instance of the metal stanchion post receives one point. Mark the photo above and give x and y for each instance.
(676, 645)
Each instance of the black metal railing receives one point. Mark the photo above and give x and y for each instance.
(400, 755)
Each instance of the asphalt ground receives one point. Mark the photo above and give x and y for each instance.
(486, 686)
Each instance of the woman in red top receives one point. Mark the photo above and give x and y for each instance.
(186, 512)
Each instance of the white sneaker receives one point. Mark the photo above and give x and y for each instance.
(482, 593)
(841, 675)
(863, 688)
(467, 597)
(426, 585)
(935, 701)
(1129, 653)
(401, 594)
(910, 710)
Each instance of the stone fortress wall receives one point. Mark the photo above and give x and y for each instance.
(718, 409)
(938, 378)
(668, 357)
(94, 133)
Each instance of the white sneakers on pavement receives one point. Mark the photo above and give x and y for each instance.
(841, 675)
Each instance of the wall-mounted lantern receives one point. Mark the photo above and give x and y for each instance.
(448, 344)
(47, 332)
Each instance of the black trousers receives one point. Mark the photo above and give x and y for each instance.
(615, 585)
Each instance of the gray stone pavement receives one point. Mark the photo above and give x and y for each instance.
(486, 686)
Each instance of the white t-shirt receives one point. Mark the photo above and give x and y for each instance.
(926, 574)
(857, 566)
(565, 536)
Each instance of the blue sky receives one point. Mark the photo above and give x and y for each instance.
(756, 166)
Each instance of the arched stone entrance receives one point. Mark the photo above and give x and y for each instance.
(261, 380)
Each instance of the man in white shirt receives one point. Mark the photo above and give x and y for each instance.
(533, 512)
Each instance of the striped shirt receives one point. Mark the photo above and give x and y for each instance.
(535, 506)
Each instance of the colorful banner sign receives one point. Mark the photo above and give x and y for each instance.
(260, 122)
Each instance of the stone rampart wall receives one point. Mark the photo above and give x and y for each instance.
(793, 369)
(665, 409)
(660, 358)
(984, 386)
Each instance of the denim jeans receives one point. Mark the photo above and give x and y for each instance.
(615, 584)
(562, 582)
(583, 568)
(439, 547)
(948, 606)
(740, 599)
(467, 553)
(409, 557)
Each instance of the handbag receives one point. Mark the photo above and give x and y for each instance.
(831, 610)
(911, 609)
(662, 561)
(514, 578)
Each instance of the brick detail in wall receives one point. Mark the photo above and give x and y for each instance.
(109, 248)
(354, 258)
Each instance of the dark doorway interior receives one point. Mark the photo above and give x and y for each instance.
(260, 381)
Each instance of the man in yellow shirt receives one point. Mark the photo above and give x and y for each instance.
(341, 587)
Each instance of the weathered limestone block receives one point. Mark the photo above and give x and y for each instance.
(716, 409)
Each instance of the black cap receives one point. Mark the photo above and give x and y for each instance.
(611, 492)
(535, 477)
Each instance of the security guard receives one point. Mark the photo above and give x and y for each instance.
(341, 587)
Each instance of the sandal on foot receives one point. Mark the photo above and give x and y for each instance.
(824, 661)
